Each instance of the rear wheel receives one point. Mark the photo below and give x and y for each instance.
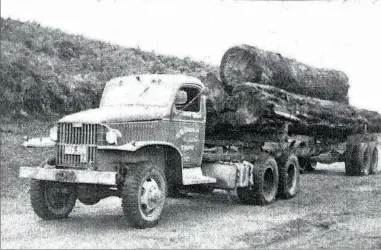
(89, 201)
(288, 177)
(374, 167)
(143, 195)
(360, 160)
(52, 200)
(349, 160)
(265, 178)
(306, 165)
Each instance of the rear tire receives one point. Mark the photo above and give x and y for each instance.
(306, 165)
(349, 170)
(143, 195)
(358, 160)
(374, 167)
(288, 177)
(52, 200)
(89, 201)
(265, 187)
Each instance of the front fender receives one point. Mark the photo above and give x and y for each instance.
(140, 151)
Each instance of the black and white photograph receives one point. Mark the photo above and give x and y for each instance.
(190, 124)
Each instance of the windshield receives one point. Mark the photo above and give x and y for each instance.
(124, 93)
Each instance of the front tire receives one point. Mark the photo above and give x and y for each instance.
(52, 200)
(143, 195)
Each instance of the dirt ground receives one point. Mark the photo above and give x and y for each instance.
(331, 211)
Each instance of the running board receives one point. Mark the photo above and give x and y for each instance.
(193, 176)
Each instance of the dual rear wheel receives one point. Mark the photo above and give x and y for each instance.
(361, 159)
(272, 179)
(289, 176)
(265, 179)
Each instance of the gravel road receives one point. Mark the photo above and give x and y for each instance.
(331, 211)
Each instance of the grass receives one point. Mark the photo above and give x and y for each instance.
(47, 71)
(14, 155)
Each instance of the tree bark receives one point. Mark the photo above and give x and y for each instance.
(245, 63)
(262, 108)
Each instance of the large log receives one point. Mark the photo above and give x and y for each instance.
(262, 108)
(249, 64)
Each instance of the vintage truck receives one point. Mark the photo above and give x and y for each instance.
(147, 141)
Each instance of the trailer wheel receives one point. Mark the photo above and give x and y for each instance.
(288, 177)
(265, 187)
(143, 195)
(52, 200)
(306, 165)
(349, 170)
(361, 157)
(374, 167)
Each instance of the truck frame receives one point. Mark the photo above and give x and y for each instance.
(147, 142)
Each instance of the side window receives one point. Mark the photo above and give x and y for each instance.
(188, 99)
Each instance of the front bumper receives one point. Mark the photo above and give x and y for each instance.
(69, 175)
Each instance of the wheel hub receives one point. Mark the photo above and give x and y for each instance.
(151, 195)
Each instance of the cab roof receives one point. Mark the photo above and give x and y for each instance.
(174, 80)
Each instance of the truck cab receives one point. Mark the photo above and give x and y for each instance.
(151, 125)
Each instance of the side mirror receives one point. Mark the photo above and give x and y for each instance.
(181, 97)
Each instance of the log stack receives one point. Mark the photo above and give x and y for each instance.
(249, 64)
(261, 90)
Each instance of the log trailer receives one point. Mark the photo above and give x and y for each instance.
(147, 142)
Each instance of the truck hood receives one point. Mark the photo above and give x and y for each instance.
(117, 114)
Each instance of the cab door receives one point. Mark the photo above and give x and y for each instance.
(189, 125)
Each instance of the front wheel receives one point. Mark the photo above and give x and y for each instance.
(143, 195)
(52, 200)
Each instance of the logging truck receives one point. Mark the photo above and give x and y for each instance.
(147, 142)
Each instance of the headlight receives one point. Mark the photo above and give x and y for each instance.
(112, 136)
(53, 133)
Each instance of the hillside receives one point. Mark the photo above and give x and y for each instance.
(46, 71)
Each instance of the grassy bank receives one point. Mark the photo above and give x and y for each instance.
(47, 71)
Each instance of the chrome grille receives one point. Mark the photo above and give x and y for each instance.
(83, 136)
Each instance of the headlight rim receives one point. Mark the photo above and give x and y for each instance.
(53, 132)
